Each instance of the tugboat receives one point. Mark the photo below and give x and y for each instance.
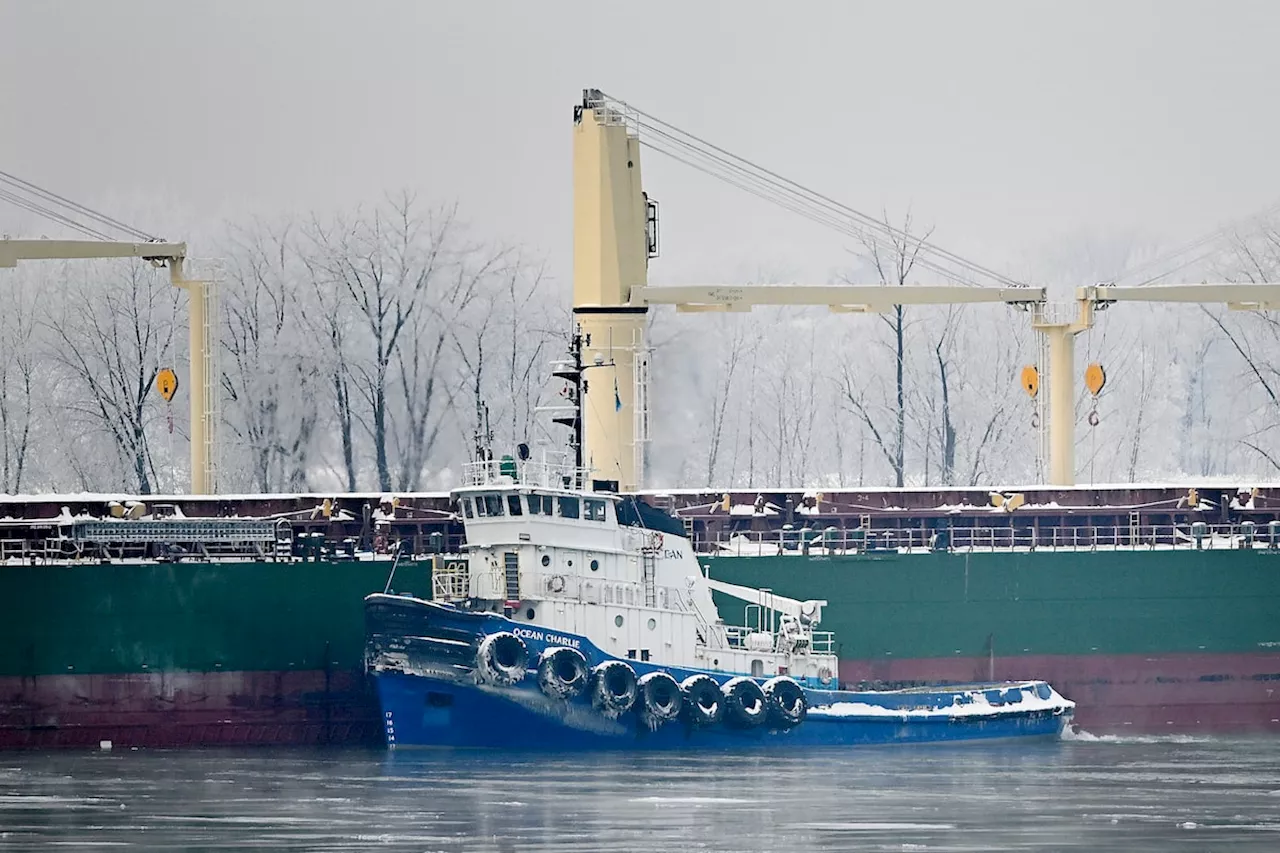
(581, 619)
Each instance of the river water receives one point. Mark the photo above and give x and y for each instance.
(1193, 793)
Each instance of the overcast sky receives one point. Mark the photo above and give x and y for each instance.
(1016, 129)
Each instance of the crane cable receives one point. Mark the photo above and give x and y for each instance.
(826, 214)
(1209, 239)
(39, 210)
(801, 194)
(38, 199)
(753, 185)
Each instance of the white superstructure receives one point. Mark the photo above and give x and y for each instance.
(548, 552)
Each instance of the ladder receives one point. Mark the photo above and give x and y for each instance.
(648, 569)
(640, 406)
(511, 568)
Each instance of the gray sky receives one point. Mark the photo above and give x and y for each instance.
(1015, 128)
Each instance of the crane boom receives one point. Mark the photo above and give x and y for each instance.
(810, 610)
(202, 323)
(854, 298)
(12, 251)
(1252, 297)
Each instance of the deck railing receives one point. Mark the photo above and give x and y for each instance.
(820, 642)
(555, 471)
(969, 539)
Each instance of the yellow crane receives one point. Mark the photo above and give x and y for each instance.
(615, 235)
(201, 321)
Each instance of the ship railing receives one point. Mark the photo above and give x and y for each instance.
(450, 580)
(820, 642)
(560, 585)
(817, 542)
(553, 472)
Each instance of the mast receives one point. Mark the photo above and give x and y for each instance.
(571, 417)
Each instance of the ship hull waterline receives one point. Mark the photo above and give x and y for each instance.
(1113, 694)
(424, 712)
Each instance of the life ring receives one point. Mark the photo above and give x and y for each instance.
(563, 672)
(502, 659)
(655, 541)
(703, 703)
(744, 704)
(660, 699)
(555, 583)
(785, 700)
(613, 688)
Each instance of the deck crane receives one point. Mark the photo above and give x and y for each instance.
(615, 235)
(808, 612)
(201, 321)
(1060, 332)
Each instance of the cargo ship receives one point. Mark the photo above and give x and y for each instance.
(200, 620)
(208, 620)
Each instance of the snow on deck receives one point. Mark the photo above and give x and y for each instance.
(969, 703)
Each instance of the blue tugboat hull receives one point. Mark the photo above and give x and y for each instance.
(420, 711)
(424, 656)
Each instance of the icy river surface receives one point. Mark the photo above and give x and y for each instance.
(1160, 793)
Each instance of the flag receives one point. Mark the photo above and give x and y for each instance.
(617, 399)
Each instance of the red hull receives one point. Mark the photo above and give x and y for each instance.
(1120, 693)
(188, 709)
(1113, 693)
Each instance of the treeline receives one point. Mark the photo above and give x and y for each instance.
(359, 352)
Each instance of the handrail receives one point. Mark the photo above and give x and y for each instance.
(556, 471)
(1150, 537)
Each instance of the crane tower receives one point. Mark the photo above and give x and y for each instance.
(614, 235)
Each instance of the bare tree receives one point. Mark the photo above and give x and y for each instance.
(504, 341)
(943, 353)
(744, 336)
(387, 267)
(271, 381)
(18, 364)
(466, 309)
(893, 264)
(1255, 336)
(110, 341)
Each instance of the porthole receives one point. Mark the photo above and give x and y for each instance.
(546, 560)
(529, 614)
(617, 620)
(568, 562)
(653, 623)
(595, 565)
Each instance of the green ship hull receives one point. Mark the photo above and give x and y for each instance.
(189, 653)
(1140, 639)
(272, 651)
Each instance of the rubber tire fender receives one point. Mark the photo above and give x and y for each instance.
(614, 688)
(563, 672)
(744, 704)
(703, 701)
(502, 659)
(786, 702)
(660, 697)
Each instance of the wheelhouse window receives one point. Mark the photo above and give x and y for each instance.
(513, 505)
(593, 510)
(466, 507)
(568, 507)
(540, 505)
(489, 505)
